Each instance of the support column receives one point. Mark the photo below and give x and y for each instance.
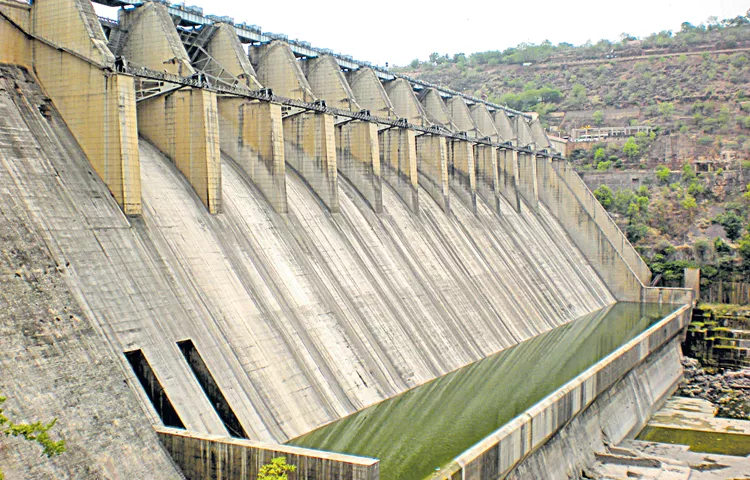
(97, 105)
(432, 163)
(527, 185)
(508, 175)
(461, 172)
(184, 126)
(310, 148)
(398, 157)
(251, 134)
(487, 173)
(358, 159)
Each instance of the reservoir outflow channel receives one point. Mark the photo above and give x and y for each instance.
(423, 429)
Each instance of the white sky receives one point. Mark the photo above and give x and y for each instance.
(399, 31)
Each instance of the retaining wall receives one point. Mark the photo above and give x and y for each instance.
(498, 454)
(204, 456)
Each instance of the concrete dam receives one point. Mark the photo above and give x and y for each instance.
(219, 247)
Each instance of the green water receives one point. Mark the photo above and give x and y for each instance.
(700, 441)
(427, 427)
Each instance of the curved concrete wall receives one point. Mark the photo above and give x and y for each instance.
(300, 320)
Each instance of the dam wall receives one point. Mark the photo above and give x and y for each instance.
(331, 304)
(243, 265)
(617, 395)
(56, 362)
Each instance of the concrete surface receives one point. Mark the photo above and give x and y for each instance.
(310, 148)
(358, 159)
(251, 134)
(328, 83)
(398, 160)
(370, 93)
(558, 437)
(202, 456)
(56, 362)
(278, 69)
(432, 164)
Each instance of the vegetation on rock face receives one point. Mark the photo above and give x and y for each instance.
(689, 94)
(33, 432)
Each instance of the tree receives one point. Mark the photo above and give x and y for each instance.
(598, 117)
(662, 174)
(666, 110)
(744, 251)
(578, 95)
(276, 470)
(604, 195)
(732, 224)
(688, 174)
(599, 155)
(631, 149)
(33, 432)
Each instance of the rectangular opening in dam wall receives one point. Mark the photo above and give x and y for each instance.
(213, 392)
(154, 390)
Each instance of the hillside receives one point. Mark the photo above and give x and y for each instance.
(677, 184)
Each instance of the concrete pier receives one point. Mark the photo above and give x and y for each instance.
(528, 187)
(225, 48)
(152, 40)
(358, 159)
(461, 172)
(539, 135)
(405, 102)
(487, 174)
(484, 122)
(505, 127)
(73, 62)
(183, 124)
(370, 93)
(508, 174)
(523, 132)
(310, 148)
(462, 117)
(328, 83)
(251, 134)
(436, 110)
(398, 160)
(432, 163)
(278, 69)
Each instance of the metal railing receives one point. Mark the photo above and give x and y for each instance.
(267, 95)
